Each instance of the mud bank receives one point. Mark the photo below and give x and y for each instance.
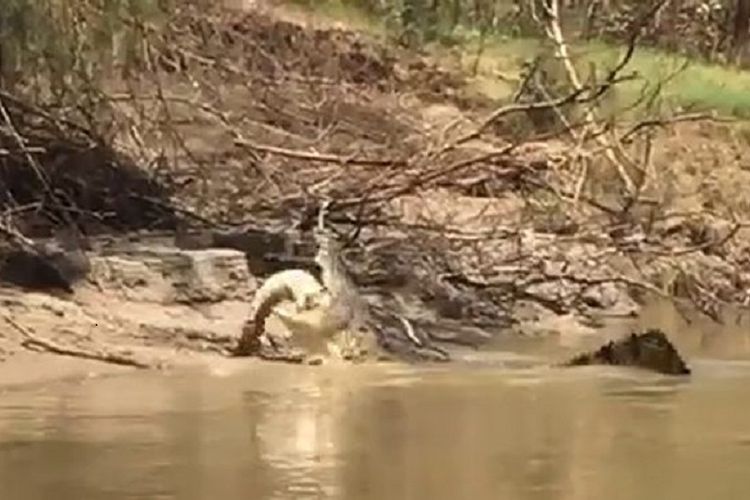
(155, 305)
(152, 304)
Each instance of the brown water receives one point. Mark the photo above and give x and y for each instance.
(486, 431)
(501, 426)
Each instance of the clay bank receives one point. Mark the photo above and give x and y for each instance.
(161, 302)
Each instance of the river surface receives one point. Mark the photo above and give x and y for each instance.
(503, 429)
(500, 424)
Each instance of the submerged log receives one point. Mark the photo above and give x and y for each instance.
(651, 350)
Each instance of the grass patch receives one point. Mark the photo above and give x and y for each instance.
(332, 12)
(496, 72)
(699, 86)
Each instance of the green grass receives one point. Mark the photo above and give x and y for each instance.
(338, 11)
(700, 86)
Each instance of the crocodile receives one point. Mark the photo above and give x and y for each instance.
(332, 310)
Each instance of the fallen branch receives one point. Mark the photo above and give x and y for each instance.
(581, 95)
(676, 252)
(325, 158)
(34, 342)
(663, 122)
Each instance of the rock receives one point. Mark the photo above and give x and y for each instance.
(173, 276)
(650, 350)
(610, 297)
(267, 250)
(258, 245)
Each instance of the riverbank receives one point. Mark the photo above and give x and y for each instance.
(150, 305)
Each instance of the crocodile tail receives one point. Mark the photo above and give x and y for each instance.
(266, 298)
(295, 285)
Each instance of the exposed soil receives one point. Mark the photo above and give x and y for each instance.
(141, 306)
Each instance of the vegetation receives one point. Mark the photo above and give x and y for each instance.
(494, 41)
(61, 46)
(58, 45)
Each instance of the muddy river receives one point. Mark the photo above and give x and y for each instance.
(503, 428)
(497, 424)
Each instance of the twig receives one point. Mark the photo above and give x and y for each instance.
(303, 155)
(34, 150)
(34, 110)
(32, 161)
(663, 122)
(703, 246)
(173, 207)
(32, 340)
(577, 96)
(422, 178)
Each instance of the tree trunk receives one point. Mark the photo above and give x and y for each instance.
(741, 30)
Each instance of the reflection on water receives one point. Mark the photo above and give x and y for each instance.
(273, 431)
